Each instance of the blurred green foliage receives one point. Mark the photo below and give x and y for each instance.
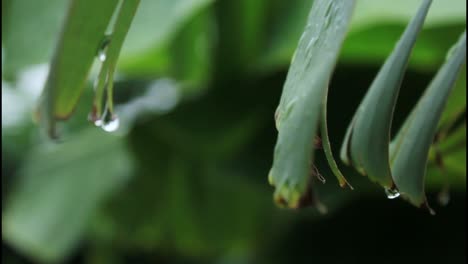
(188, 182)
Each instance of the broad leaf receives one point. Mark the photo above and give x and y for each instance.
(59, 189)
(327, 147)
(298, 113)
(417, 133)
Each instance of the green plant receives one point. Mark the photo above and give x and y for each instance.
(185, 172)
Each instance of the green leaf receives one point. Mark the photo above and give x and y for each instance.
(25, 22)
(298, 113)
(369, 132)
(411, 156)
(327, 147)
(110, 53)
(59, 188)
(82, 34)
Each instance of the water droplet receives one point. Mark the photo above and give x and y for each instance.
(94, 118)
(392, 193)
(329, 8)
(98, 122)
(111, 125)
(102, 55)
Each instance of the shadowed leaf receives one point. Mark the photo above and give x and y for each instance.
(298, 113)
(367, 139)
(54, 199)
(417, 133)
(81, 38)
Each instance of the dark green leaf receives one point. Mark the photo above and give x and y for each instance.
(369, 132)
(82, 34)
(417, 133)
(298, 113)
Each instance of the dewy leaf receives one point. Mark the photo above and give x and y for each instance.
(82, 33)
(81, 38)
(59, 189)
(109, 53)
(368, 137)
(411, 156)
(300, 106)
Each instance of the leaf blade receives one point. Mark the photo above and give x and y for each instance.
(413, 154)
(368, 146)
(299, 110)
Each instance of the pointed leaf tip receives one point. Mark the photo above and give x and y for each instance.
(368, 136)
(418, 131)
(299, 111)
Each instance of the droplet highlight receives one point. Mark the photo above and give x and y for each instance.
(111, 125)
(392, 193)
(102, 55)
(102, 51)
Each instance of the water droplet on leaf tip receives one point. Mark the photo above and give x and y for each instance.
(102, 56)
(111, 125)
(392, 193)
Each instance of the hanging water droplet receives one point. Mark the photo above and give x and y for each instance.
(102, 51)
(102, 55)
(111, 125)
(392, 193)
(94, 118)
(98, 122)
